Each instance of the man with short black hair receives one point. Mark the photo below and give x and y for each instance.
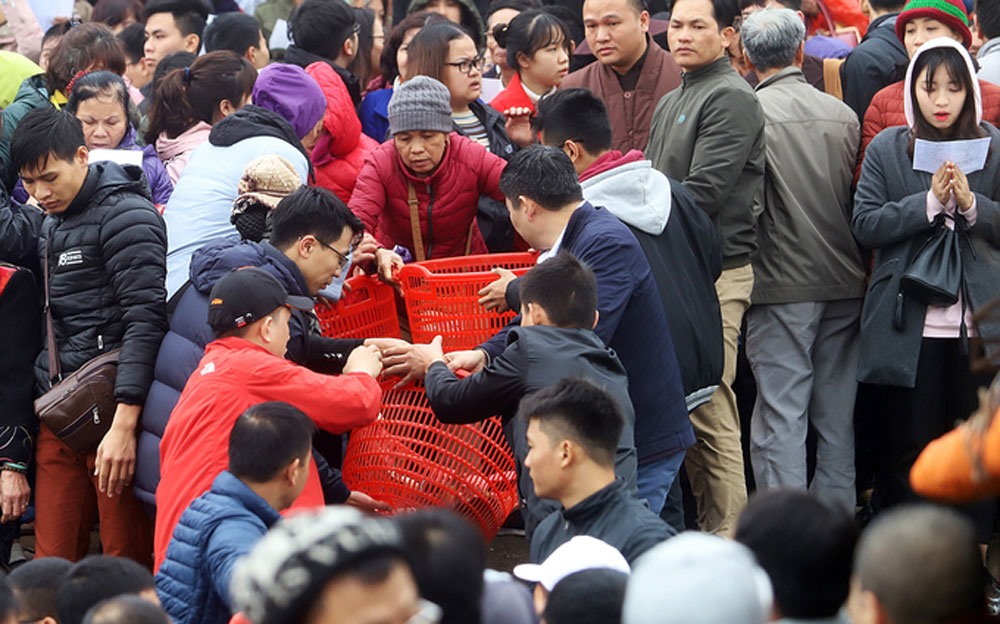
(709, 135)
(173, 26)
(269, 450)
(555, 340)
(239, 33)
(987, 20)
(573, 428)
(632, 72)
(97, 578)
(105, 247)
(878, 61)
(249, 312)
(806, 546)
(327, 32)
(547, 209)
(36, 586)
(917, 564)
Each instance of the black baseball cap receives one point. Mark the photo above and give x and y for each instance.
(247, 295)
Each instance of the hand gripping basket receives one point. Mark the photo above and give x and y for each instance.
(442, 297)
(409, 459)
(367, 309)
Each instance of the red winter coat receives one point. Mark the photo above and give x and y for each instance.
(886, 110)
(341, 150)
(233, 375)
(447, 200)
(513, 96)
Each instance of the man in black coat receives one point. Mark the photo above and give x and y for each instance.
(878, 61)
(105, 249)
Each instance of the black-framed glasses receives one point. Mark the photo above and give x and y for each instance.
(343, 259)
(467, 65)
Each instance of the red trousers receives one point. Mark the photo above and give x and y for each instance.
(67, 504)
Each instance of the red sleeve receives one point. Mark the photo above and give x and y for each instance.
(873, 124)
(489, 175)
(336, 403)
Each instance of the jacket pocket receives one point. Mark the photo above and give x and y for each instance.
(880, 304)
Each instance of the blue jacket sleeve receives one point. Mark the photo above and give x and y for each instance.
(229, 543)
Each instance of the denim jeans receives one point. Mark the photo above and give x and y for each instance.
(655, 478)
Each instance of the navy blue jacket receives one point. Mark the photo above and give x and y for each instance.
(633, 323)
(189, 332)
(221, 526)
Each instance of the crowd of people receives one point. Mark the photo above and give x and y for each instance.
(766, 287)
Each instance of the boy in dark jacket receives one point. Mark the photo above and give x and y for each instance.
(555, 340)
(269, 449)
(572, 427)
(105, 247)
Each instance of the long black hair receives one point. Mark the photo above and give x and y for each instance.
(966, 126)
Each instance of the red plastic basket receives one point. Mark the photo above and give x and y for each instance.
(442, 297)
(367, 309)
(410, 460)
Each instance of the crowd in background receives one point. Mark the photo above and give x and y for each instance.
(766, 288)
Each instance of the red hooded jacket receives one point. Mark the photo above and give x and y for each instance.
(447, 200)
(886, 111)
(233, 375)
(341, 149)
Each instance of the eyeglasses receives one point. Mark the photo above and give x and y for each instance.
(468, 65)
(344, 260)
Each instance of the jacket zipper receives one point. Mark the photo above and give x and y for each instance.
(430, 223)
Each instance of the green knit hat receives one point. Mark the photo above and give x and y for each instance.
(949, 12)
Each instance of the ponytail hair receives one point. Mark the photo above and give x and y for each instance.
(531, 31)
(191, 94)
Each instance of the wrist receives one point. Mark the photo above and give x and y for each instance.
(126, 417)
(15, 468)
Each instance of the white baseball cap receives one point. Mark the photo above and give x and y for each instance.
(580, 553)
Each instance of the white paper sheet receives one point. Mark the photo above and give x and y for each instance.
(968, 155)
(491, 87)
(279, 36)
(47, 10)
(122, 157)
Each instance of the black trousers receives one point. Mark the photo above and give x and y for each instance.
(908, 419)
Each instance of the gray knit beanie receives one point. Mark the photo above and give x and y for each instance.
(420, 103)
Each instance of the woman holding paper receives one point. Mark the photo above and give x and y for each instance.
(915, 353)
(101, 102)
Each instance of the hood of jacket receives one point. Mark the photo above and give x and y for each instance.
(186, 141)
(941, 42)
(105, 179)
(629, 187)
(342, 125)
(254, 121)
(220, 257)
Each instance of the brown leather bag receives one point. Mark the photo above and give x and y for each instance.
(78, 409)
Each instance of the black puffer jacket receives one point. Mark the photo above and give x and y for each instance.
(107, 266)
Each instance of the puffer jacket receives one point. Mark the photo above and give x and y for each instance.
(106, 257)
(21, 336)
(374, 114)
(341, 149)
(156, 174)
(202, 202)
(221, 526)
(189, 333)
(886, 111)
(447, 200)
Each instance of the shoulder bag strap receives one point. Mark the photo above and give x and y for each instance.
(55, 371)
(418, 241)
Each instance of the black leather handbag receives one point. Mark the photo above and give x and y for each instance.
(934, 275)
(79, 408)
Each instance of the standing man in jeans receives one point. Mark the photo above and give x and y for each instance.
(709, 134)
